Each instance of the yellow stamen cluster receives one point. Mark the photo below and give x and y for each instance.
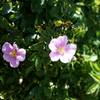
(13, 53)
(61, 51)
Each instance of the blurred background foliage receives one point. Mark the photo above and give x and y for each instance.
(32, 24)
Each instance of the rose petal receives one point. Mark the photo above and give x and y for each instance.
(21, 54)
(54, 56)
(71, 49)
(6, 57)
(7, 48)
(52, 46)
(69, 53)
(61, 41)
(58, 42)
(21, 51)
(65, 58)
(14, 63)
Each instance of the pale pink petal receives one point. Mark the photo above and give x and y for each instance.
(7, 48)
(15, 46)
(54, 56)
(71, 49)
(14, 63)
(66, 58)
(21, 54)
(6, 57)
(69, 53)
(21, 51)
(61, 41)
(52, 46)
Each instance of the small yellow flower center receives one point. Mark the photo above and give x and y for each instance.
(13, 53)
(61, 51)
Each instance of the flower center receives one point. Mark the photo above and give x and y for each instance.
(61, 50)
(13, 53)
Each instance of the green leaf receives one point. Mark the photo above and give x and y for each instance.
(93, 88)
(93, 58)
(95, 67)
(3, 22)
(95, 76)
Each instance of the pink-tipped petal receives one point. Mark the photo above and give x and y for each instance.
(54, 56)
(52, 46)
(21, 54)
(7, 48)
(14, 63)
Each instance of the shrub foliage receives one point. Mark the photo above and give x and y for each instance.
(32, 24)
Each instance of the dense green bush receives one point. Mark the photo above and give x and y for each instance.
(32, 24)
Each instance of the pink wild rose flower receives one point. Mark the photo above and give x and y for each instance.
(12, 54)
(61, 49)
